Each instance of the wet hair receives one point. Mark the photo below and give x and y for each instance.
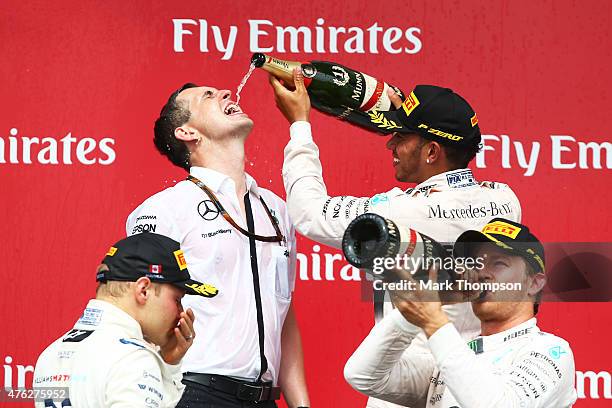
(173, 114)
(460, 156)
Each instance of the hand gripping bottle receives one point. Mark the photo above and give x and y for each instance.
(335, 89)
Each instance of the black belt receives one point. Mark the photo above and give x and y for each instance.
(242, 390)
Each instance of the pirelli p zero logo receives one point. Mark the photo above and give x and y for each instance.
(111, 251)
(501, 228)
(410, 103)
(440, 133)
(180, 259)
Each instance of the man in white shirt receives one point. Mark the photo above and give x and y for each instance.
(126, 348)
(237, 236)
(437, 135)
(511, 364)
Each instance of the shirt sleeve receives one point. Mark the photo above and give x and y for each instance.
(533, 380)
(382, 368)
(138, 381)
(152, 216)
(317, 215)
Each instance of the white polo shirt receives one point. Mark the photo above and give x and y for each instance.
(227, 340)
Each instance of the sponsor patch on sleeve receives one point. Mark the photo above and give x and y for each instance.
(75, 336)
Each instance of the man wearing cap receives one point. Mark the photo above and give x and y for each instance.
(126, 348)
(436, 136)
(511, 364)
(237, 236)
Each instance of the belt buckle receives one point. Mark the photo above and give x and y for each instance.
(248, 392)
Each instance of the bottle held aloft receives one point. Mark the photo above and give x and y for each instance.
(335, 89)
(370, 239)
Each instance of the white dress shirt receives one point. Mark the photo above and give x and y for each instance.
(226, 341)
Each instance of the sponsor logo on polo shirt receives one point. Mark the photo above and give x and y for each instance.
(217, 232)
(208, 210)
(143, 228)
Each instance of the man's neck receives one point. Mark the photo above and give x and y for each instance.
(226, 157)
(490, 327)
(432, 171)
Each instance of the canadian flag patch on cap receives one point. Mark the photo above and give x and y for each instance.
(155, 268)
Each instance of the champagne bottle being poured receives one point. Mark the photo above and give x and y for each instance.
(335, 89)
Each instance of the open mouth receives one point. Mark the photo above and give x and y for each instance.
(232, 109)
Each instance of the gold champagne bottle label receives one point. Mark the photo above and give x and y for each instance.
(281, 69)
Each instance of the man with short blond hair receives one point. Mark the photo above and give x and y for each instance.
(126, 348)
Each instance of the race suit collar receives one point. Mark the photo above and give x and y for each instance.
(100, 313)
(216, 180)
(460, 178)
(482, 343)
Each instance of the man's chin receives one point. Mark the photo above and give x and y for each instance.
(399, 176)
(483, 308)
(245, 123)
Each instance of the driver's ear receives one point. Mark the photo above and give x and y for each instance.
(186, 134)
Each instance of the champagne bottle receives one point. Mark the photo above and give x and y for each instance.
(335, 89)
(370, 239)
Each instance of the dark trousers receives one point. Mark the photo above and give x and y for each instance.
(200, 396)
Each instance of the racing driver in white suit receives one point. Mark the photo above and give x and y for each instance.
(512, 364)
(436, 135)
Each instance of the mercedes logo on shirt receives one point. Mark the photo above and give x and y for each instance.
(208, 210)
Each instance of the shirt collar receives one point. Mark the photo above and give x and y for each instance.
(459, 178)
(215, 180)
(99, 312)
(485, 343)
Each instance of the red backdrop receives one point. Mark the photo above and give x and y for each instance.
(82, 83)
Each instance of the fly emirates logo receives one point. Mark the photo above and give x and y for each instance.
(68, 149)
(562, 152)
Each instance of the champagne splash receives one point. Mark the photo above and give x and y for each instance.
(243, 82)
